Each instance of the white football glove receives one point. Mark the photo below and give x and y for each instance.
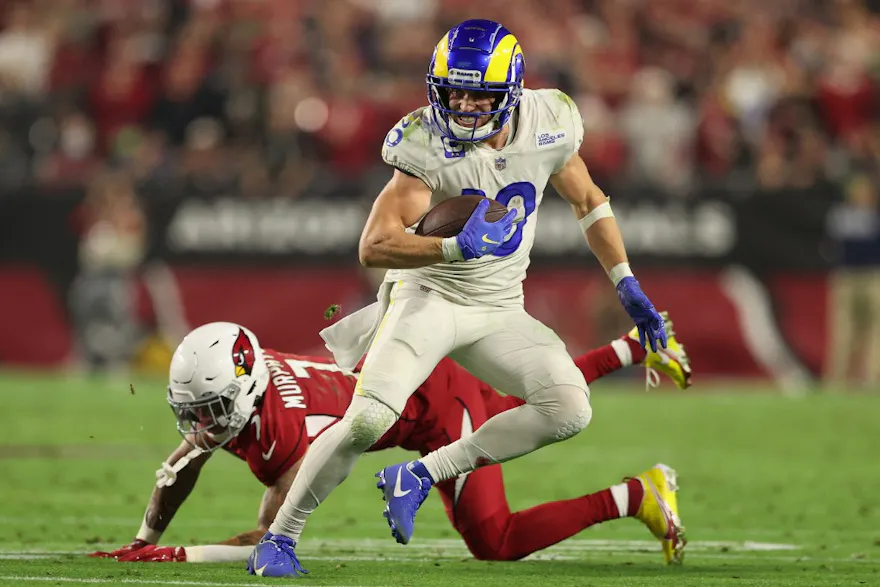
(166, 475)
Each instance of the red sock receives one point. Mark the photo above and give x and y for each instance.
(635, 347)
(636, 495)
(604, 360)
(514, 536)
(598, 363)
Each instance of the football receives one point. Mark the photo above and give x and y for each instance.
(448, 218)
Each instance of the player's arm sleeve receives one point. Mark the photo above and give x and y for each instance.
(217, 553)
(570, 120)
(405, 149)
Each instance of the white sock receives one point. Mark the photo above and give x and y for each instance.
(327, 463)
(621, 347)
(620, 493)
(329, 460)
(217, 553)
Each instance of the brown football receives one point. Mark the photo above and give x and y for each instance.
(448, 217)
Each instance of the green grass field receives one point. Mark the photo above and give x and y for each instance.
(774, 491)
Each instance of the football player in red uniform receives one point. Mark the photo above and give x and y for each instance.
(266, 407)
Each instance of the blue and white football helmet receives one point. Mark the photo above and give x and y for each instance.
(477, 55)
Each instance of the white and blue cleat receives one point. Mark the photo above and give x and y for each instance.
(274, 557)
(403, 492)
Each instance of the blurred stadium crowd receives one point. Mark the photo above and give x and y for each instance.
(137, 103)
(293, 97)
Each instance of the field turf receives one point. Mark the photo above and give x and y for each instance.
(774, 491)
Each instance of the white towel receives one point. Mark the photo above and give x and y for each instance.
(350, 338)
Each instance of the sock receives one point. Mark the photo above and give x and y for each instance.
(637, 354)
(419, 469)
(513, 536)
(329, 460)
(620, 353)
(327, 463)
(599, 362)
(627, 497)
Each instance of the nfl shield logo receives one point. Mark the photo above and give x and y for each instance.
(500, 163)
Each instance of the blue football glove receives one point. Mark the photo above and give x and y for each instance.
(642, 312)
(480, 237)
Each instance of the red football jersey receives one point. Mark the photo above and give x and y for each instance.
(306, 395)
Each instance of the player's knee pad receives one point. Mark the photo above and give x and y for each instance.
(368, 420)
(566, 406)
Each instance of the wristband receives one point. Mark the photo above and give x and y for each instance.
(451, 250)
(618, 272)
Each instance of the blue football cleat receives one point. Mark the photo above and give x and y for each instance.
(403, 492)
(274, 557)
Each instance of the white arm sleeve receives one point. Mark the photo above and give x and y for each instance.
(217, 553)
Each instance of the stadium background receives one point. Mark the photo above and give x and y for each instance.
(164, 163)
(169, 162)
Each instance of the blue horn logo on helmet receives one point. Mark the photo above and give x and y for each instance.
(481, 56)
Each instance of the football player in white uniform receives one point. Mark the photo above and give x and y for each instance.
(462, 296)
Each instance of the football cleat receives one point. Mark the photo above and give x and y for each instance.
(274, 557)
(659, 511)
(671, 361)
(403, 492)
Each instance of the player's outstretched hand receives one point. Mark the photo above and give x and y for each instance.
(136, 544)
(642, 312)
(155, 554)
(481, 237)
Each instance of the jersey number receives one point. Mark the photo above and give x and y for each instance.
(299, 368)
(316, 423)
(522, 197)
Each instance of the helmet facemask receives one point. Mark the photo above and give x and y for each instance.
(211, 420)
(505, 100)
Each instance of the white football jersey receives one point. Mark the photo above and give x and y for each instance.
(546, 133)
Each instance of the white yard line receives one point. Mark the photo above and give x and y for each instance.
(127, 521)
(453, 547)
(535, 557)
(55, 579)
(124, 522)
(352, 550)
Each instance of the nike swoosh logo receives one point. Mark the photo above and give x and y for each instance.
(397, 491)
(259, 571)
(268, 454)
(486, 239)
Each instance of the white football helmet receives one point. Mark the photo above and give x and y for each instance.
(217, 375)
